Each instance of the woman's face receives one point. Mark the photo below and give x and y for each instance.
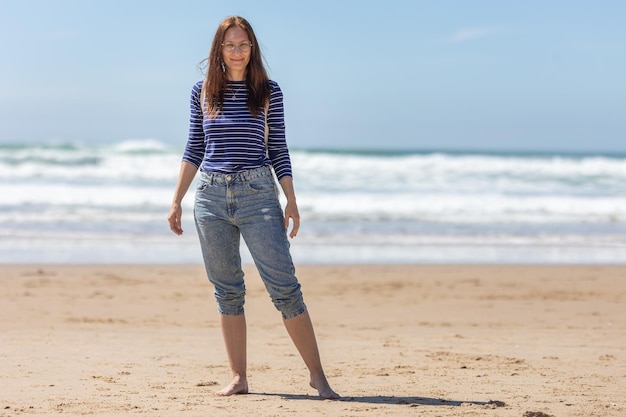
(236, 52)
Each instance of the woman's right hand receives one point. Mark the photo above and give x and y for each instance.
(174, 218)
(185, 177)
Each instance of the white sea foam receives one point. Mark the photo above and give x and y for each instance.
(349, 199)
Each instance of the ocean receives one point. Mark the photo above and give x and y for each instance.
(108, 203)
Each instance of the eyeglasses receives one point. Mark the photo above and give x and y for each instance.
(243, 47)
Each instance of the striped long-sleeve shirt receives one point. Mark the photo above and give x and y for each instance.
(235, 141)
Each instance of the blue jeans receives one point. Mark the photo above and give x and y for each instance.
(245, 204)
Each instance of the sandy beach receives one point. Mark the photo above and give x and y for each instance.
(396, 340)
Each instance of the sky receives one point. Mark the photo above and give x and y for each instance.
(421, 74)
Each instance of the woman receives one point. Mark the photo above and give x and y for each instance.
(237, 196)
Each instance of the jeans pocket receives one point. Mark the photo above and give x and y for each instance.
(201, 186)
(262, 184)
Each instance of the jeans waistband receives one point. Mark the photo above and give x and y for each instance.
(241, 176)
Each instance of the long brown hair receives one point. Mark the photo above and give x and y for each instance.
(215, 82)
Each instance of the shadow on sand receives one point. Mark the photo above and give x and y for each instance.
(388, 399)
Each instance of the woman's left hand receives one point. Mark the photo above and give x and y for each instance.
(291, 212)
(291, 209)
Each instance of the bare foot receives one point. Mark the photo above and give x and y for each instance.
(237, 386)
(323, 388)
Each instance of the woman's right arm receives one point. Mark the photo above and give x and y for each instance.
(185, 177)
(192, 158)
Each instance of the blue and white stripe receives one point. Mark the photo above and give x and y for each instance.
(234, 141)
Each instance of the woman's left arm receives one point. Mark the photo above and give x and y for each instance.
(291, 209)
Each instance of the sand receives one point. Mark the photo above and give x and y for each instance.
(111, 340)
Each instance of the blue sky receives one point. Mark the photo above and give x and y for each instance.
(496, 75)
